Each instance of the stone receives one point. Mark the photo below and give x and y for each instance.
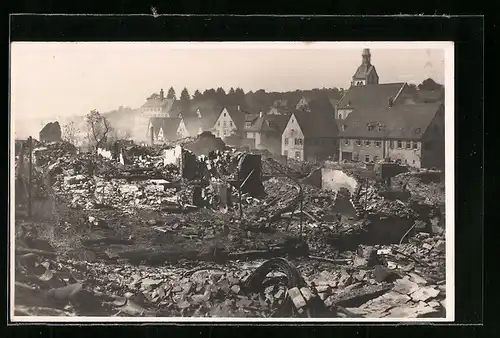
(427, 246)
(423, 294)
(183, 304)
(235, 288)
(440, 246)
(297, 298)
(345, 279)
(405, 286)
(324, 289)
(306, 293)
(381, 274)
(417, 279)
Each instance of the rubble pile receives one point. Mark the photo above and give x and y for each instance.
(150, 239)
(380, 281)
(47, 152)
(429, 185)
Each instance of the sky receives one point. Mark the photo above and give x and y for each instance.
(58, 80)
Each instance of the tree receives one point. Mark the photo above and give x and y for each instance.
(185, 95)
(429, 84)
(171, 93)
(70, 133)
(197, 95)
(98, 128)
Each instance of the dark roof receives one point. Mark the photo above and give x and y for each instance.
(363, 71)
(169, 126)
(376, 95)
(317, 122)
(269, 123)
(236, 115)
(403, 121)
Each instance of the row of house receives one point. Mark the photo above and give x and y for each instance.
(371, 122)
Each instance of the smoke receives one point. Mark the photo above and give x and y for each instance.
(335, 179)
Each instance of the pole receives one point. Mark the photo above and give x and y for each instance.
(30, 177)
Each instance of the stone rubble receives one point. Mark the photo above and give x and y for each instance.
(128, 236)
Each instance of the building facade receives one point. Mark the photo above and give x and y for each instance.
(229, 122)
(410, 134)
(310, 136)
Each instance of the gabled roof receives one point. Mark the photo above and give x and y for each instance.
(236, 115)
(317, 122)
(269, 123)
(168, 125)
(403, 121)
(376, 95)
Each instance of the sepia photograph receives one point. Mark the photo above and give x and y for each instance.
(231, 181)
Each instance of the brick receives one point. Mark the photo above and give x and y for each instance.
(297, 298)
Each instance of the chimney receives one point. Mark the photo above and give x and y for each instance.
(261, 114)
(239, 108)
(162, 94)
(391, 102)
(151, 135)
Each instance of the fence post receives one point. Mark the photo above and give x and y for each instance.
(30, 174)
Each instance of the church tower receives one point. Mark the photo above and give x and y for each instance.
(366, 73)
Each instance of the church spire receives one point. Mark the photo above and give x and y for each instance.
(366, 56)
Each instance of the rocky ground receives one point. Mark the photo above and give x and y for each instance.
(113, 240)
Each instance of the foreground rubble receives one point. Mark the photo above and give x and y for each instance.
(141, 239)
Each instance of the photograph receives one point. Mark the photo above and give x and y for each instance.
(231, 182)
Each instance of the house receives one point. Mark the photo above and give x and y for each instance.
(230, 121)
(366, 73)
(266, 131)
(201, 117)
(157, 105)
(163, 129)
(411, 134)
(310, 134)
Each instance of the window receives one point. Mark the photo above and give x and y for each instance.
(297, 155)
(368, 143)
(225, 132)
(230, 123)
(415, 145)
(224, 114)
(286, 141)
(378, 144)
(344, 127)
(218, 124)
(380, 128)
(356, 157)
(367, 158)
(406, 161)
(375, 158)
(370, 127)
(408, 144)
(224, 124)
(358, 142)
(299, 142)
(347, 141)
(400, 144)
(340, 116)
(285, 152)
(413, 161)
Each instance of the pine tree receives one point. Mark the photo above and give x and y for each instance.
(185, 95)
(197, 95)
(171, 93)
